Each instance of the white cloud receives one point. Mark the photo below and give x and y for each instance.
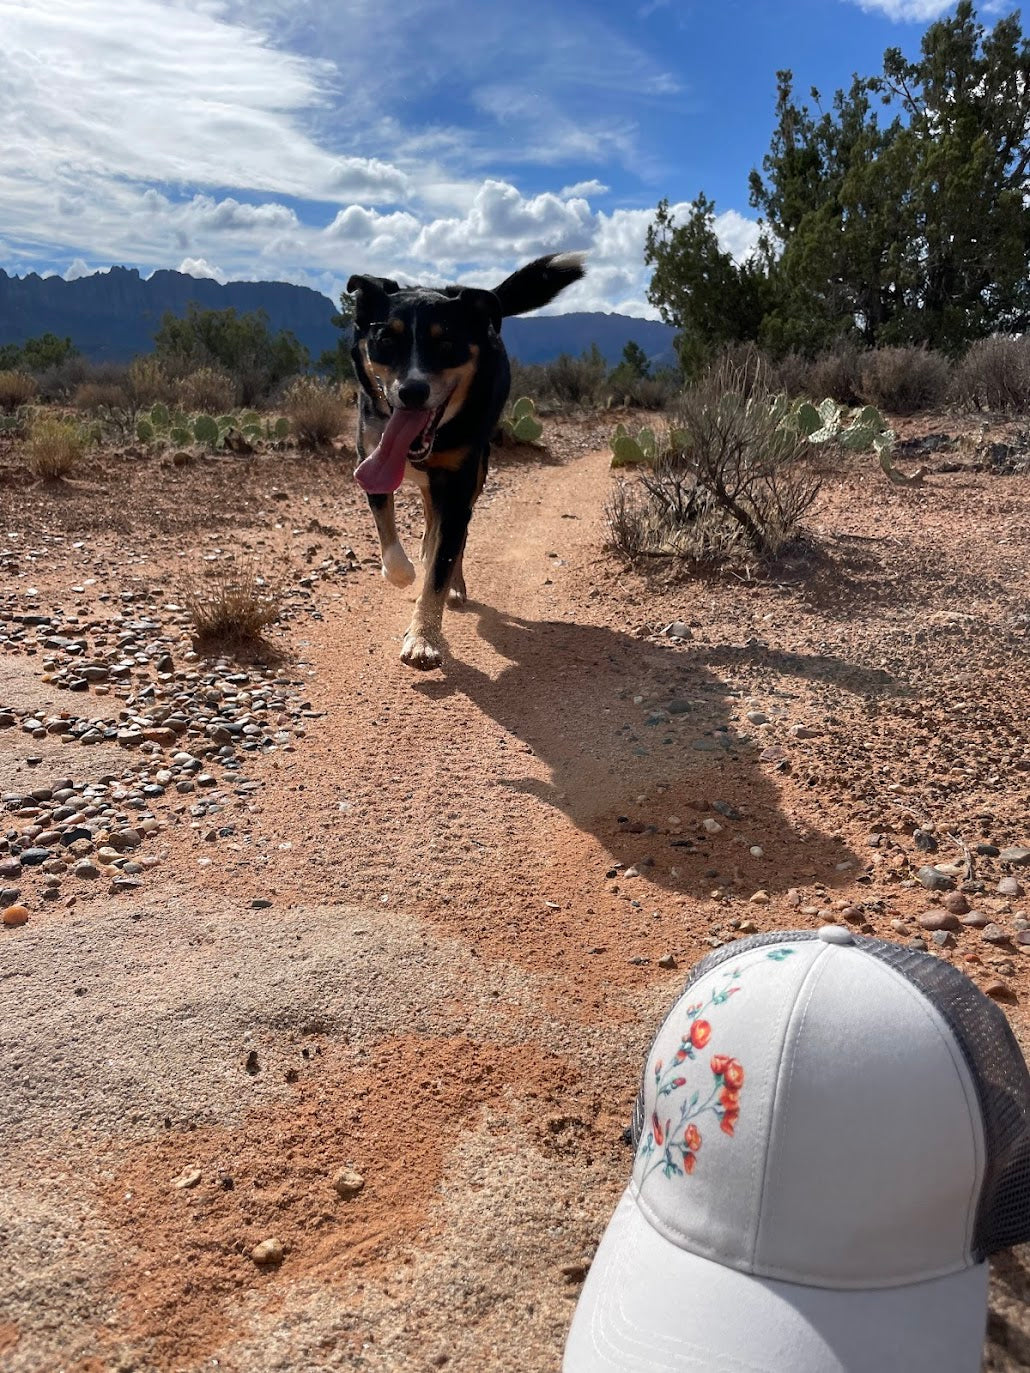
(907, 11)
(583, 188)
(501, 215)
(77, 268)
(198, 267)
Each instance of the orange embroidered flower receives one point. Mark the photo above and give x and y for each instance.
(700, 1033)
(692, 1138)
(720, 1063)
(729, 1100)
(729, 1119)
(734, 1075)
(659, 1133)
(688, 1163)
(678, 1082)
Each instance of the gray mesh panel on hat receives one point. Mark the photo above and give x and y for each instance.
(1002, 1085)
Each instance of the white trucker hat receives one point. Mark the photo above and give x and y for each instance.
(832, 1134)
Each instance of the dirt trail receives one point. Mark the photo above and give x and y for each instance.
(485, 887)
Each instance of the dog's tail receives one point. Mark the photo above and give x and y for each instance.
(538, 282)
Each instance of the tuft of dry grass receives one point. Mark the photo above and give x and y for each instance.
(16, 389)
(53, 447)
(317, 411)
(233, 601)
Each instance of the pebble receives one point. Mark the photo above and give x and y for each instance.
(667, 961)
(994, 934)
(712, 826)
(759, 898)
(938, 920)
(1009, 886)
(999, 991)
(15, 915)
(975, 920)
(268, 1252)
(934, 880)
(348, 1183)
(190, 1177)
(756, 717)
(956, 903)
(943, 939)
(756, 851)
(1018, 856)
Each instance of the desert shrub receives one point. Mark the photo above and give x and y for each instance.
(209, 390)
(904, 380)
(317, 411)
(98, 397)
(58, 383)
(16, 389)
(994, 375)
(630, 522)
(644, 393)
(793, 376)
(244, 346)
(149, 382)
(729, 479)
(53, 447)
(232, 601)
(837, 374)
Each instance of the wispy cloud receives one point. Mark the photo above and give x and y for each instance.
(907, 11)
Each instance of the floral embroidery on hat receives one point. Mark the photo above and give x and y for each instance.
(673, 1144)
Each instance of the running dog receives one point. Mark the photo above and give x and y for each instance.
(434, 378)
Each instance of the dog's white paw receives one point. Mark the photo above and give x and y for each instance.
(457, 596)
(397, 568)
(420, 652)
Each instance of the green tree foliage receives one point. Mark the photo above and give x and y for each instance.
(243, 345)
(896, 216)
(336, 363)
(36, 354)
(634, 360)
(699, 288)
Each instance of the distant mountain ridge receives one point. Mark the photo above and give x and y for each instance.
(111, 316)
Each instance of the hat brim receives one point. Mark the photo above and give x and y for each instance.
(648, 1305)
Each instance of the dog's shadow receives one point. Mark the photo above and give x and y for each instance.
(566, 691)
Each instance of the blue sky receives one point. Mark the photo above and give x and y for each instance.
(430, 140)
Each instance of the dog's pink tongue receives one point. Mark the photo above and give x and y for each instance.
(383, 469)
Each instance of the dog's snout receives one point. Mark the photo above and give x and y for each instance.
(413, 394)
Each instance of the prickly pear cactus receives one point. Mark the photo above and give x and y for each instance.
(205, 430)
(521, 423)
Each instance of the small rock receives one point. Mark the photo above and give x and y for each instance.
(934, 880)
(1018, 856)
(32, 858)
(994, 934)
(925, 840)
(759, 898)
(15, 915)
(956, 903)
(347, 1183)
(805, 731)
(756, 717)
(268, 1252)
(678, 630)
(574, 1273)
(999, 991)
(260, 903)
(712, 826)
(975, 920)
(667, 961)
(1008, 886)
(187, 1179)
(938, 920)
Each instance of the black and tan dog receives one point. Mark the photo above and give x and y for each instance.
(434, 378)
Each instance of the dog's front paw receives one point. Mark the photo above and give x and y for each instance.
(397, 568)
(457, 596)
(420, 652)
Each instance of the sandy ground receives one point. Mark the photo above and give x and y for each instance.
(470, 878)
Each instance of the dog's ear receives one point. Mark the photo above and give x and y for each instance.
(371, 298)
(483, 303)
